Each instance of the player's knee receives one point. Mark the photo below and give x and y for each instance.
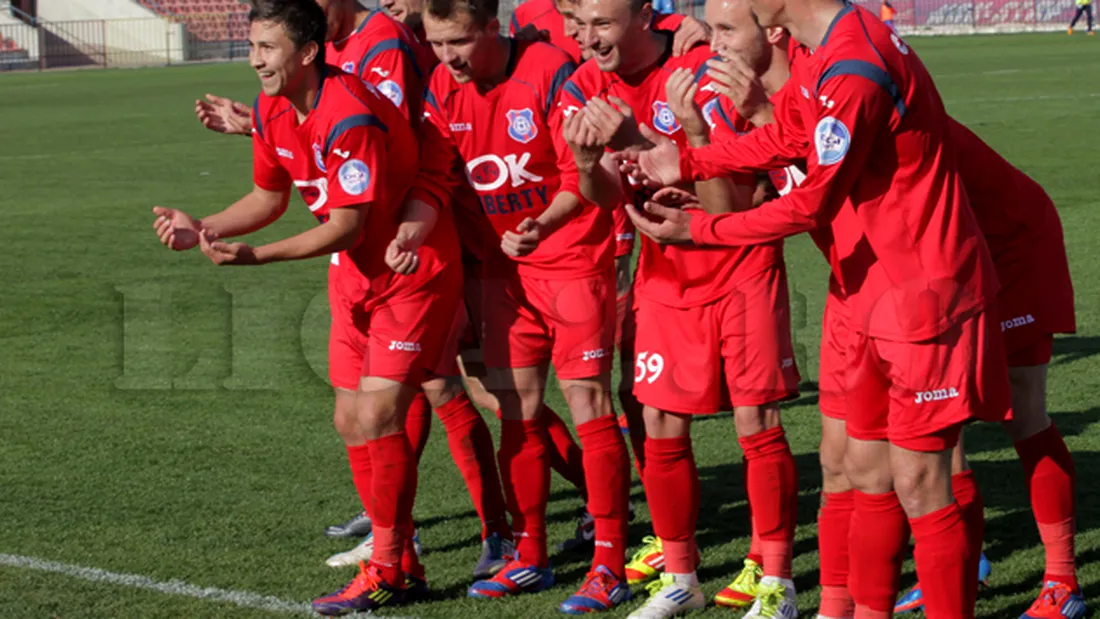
(923, 482)
(442, 390)
(586, 402)
(833, 476)
(378, 413)
(749, 420)
(1029, 412)
(345, 418)
(867, 467)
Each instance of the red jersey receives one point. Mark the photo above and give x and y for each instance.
(353, 148)
(913, 262)
(509, 140)
(673, 275)
(544, 15)
(384, 52)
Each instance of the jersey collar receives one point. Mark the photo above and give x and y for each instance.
(848, 8)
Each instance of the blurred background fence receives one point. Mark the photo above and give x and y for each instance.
(46, 34)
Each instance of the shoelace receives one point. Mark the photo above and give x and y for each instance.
(748, 577)
(649, 546)
(367, 580)
(655, 587)
(770, 596)
(596, 582)
(1050, 598)
(510, 563)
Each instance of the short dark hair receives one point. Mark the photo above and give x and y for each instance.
(480, 10)
(303, 20)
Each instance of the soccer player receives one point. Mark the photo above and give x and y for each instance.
(367, 43)
(492, 109)
(1083, 7)
(923, 353)
(352, 155)
(702, 315)
(1021, 226)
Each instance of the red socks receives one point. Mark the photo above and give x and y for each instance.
(969, 498)
(607, 467)
(565, 454)
(525, 469)
(359, 460)
(472, 450)
(773, 492)
(945, 568)
(834, 521)
(755, 553)
(672, 487)
(418, 422)
(393, 488)
(878, 538)
(1051, 480)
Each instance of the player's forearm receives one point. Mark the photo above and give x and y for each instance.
(600, 186)
(251, 213)
(335, 235)
(722, 195)
(559, 211)
(417, 220)
(765, 224)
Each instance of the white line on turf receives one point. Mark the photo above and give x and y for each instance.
(171, 587)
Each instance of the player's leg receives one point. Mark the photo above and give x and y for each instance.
(1051, 479)
(631, 407)
(672, 490)
(834, 517)
(581, 315)
(1076, 16)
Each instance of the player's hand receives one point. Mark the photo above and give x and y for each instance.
(224, 115)
(657, 166)
(674, 197)
(681, 90)
(175, 228)
(736, 80)
(532, 34)
(524, 240)
(661, 223)
(690, 33)
(613, 123)
(401, 255)
(583, 141)
(221, 253)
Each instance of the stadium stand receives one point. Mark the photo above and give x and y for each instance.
(206, 20)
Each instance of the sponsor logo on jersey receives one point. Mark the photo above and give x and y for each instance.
(1019, 321)
(902, 47)
(392, 91)
(936, 395)
(405, 346)
(285, 153)
(663, 118)
(831, 140)
(318, 158)
(490, 172)
(708, 113)
(354, 177)
(348, 67)
(599, 353)
(521, 125)
(457, 127)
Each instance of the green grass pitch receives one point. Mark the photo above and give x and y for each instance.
(162, 417)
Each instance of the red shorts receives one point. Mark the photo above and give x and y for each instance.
(917, 395)
(1028, 322)
(399, 338)
(831, 386)
(528, 321)
(681, 354)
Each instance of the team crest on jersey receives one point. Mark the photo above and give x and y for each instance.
(354, 177)
(831, 139)
(521, 125)
(902, 47)
(663, 118)
(348, 67)
(708, 113)
(319, 158)
(392, 91)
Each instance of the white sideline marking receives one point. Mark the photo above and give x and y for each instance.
(171, 587)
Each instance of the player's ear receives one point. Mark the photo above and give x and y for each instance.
(645, 14)
(309, 52)
(493, 27)
(775, 34)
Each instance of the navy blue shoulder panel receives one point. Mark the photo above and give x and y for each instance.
(349, 123)
(388, 45)
(560, 80)
(868, 71)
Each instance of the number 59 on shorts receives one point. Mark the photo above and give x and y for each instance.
(648, 367)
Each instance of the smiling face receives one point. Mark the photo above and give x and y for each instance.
(461, 45)
(613, 32)
(278, 63)
(734, 31)
(407, 12)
